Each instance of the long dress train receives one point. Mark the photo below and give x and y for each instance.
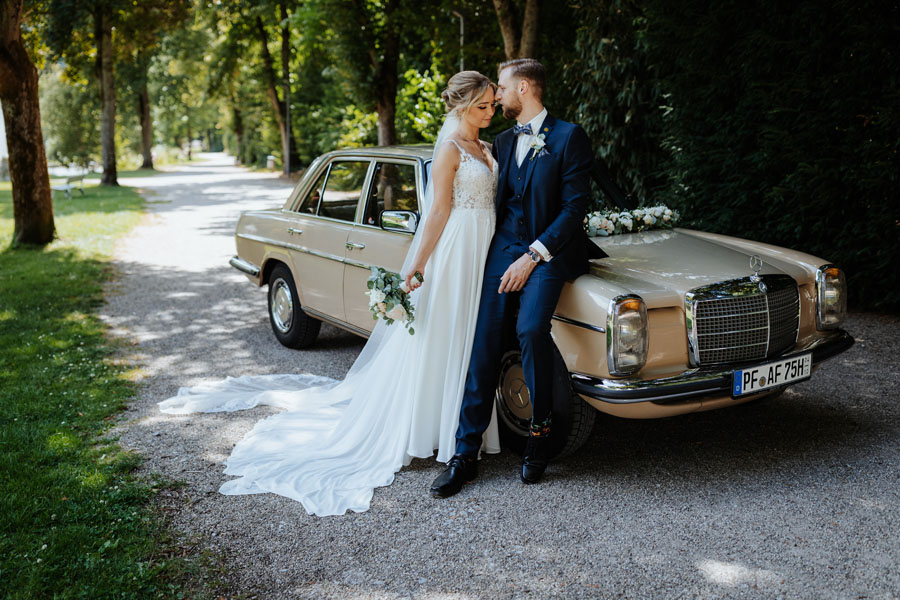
(337, 441)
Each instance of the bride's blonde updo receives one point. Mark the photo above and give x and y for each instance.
(464, 89)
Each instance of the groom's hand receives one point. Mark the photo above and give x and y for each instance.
(516, 275)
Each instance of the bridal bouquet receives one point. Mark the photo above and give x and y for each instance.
(608, 222)
(389, 298)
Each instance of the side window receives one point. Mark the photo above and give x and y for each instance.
(393, 188)
(311, 202)
(343, 189)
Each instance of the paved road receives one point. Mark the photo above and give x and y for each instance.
(794, 498)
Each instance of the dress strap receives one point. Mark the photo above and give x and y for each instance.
(458, 147)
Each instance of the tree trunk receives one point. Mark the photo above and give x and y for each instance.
(146, 127)
(386, 79)
(515, 46)
(106, 78)
(190, 136)
(144, 113)
(31, 193)
(238, 130)
(528, 45)
(272, 88)
(291, 152)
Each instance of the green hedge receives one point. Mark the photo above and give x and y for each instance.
(779, 123)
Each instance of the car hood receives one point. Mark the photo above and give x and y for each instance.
(661, 266)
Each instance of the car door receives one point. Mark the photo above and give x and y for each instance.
(323, 220)
(394, 185)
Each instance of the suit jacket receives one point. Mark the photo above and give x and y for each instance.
(557, 192)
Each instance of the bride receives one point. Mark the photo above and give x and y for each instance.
(335, 442)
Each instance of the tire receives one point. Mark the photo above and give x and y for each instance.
(573, 418)
(293, 327)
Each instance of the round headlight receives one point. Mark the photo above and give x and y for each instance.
(831, 297)
(626, 335)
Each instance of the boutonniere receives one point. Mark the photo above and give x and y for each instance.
(538, 146)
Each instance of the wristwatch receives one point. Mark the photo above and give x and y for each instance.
(534, 256)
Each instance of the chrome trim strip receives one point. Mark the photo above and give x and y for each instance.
(579, 323)
(303, 249)
(245, 267)
(336, 322)
(694, 383)
(353, 263)
(758, 312)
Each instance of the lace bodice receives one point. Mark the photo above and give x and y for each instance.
(475, 184)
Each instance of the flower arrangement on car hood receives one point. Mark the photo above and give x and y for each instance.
(389, 298)
(609, 222)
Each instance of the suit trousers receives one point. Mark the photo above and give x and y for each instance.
(536, 303)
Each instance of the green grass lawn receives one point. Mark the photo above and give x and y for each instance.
(74, 521)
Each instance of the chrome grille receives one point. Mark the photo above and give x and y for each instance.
(734, 321)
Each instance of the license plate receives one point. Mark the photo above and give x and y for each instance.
(773, 374)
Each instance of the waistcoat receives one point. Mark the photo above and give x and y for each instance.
(511, 226)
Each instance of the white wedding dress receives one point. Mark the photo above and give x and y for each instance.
(335, 442)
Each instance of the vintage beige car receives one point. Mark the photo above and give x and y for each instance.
(671, 322)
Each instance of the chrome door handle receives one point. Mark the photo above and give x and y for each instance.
(351, 246)
(291, 230)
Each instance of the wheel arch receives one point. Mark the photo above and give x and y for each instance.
(271, 262)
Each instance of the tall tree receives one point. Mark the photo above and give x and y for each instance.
(69, 20)
(279, 108)
(518, 42)
(142, 27)
(104, 69)
(32, 196)
(368, 34)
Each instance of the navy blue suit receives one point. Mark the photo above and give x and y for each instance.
(544, 199)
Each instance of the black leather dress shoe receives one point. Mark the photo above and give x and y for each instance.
(535, 458)
(460, 470)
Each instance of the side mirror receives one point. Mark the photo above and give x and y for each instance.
(405, 221)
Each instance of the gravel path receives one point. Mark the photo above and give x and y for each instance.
(796, 497)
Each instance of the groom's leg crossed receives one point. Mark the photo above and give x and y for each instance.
(484, 365)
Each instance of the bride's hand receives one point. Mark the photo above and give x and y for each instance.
(412, 282)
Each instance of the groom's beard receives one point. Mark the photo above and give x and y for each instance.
(511, 112)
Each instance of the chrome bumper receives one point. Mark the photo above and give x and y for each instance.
(243, 266)
(694, 383)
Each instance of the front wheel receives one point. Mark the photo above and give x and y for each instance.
(293, 327)
(573, 418)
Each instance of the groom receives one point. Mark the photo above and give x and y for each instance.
(543, 194)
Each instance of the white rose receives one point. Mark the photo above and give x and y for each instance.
(595, 222)
(375, 296)
(668, 212)
(398, 313)
(649, 219)
(610, 227)
(613, 217)
(658, 211)
(666, 218)
(626, 223)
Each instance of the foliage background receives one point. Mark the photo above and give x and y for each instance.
(771, 121)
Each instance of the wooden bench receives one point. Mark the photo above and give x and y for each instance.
(69, 185)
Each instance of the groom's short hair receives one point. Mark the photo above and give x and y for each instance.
(527, 68)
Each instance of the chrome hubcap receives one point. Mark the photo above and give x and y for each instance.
(282, 307)
(512, 397)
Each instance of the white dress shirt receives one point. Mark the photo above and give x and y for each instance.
(523, 147)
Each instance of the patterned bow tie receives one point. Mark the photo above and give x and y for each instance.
(526, 129)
